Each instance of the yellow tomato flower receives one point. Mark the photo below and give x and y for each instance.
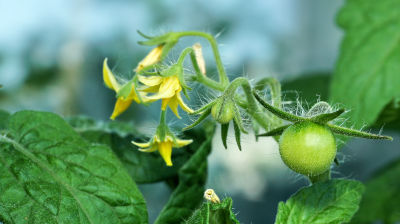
(152, 58)
(111, 82)
(163, 146)
(123, 103)
(168, 89)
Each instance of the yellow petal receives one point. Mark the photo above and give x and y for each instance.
(109, 78)
(164, 103)
(182, 104)
(165, 149)
(151, 149)
(150, 89)
(168, 88)
(142, 145)
(182, 142)
(150, 80)
(152, 58)
(120, 106)
(173, 104)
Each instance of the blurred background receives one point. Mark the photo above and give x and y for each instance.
(51, 55)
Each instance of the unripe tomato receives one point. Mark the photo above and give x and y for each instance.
(307, 148)
(223, 110)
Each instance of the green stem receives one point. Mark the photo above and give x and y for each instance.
(202, 78)
(320, 178)
(162, 117)
(252, 107)
(185, 52)
(220, 67)
(162, 129)
(275, 89)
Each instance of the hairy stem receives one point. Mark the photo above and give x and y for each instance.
(252, 107)
(223, 78)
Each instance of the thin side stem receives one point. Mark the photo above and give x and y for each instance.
(223, 78)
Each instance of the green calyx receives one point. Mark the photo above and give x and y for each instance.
(323, 119)
(168, 41)
(223, 110)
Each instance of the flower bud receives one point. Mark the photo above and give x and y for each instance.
(223, 110)
(199, 58)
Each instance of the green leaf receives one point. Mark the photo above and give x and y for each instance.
(389, 116)
(381, 198)
(319, 82)
(49, 174)
(143, 167)
(192, 178)
(4, 115)
(367, 76)
(330, 202)
(83, 124)
(210, 213)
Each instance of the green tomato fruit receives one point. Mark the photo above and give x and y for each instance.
(307, 148)
(223, 110)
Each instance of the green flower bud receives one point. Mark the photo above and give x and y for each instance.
(223, 110)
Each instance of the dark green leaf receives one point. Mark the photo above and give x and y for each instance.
(4, 115)
(367, 76)
(49, 174)
(301, 86)
(143, 167)
(389, 116)
(189, 192)
(330, 202)
(84, 124)
(381, 198)
(210, 213)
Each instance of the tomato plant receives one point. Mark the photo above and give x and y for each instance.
(57, 169)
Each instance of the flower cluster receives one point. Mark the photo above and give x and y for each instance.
(147, 87)
(153, 81)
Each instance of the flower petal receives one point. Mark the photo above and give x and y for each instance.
(151, 149)
(182, 104)
(168, 88)
(150, 89)
(182, 142)
(109, 78)
(141, 145)
(164, 103)
(152, 58)
(150, 80)
(120, 106)
(165, 149)
(173, 104)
